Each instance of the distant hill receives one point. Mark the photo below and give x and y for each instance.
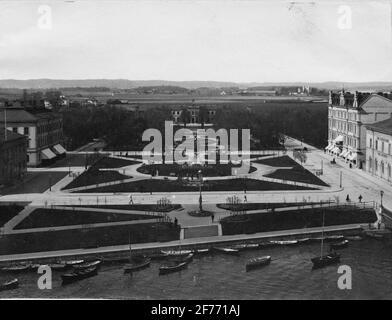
(133, 84)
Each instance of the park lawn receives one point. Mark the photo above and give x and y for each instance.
(295, 219)
(93, 177)
(155, 185)
(175, 169)
(136, 207)
(7, 212)
(48, 217)
(263, 206)
(297, 173)
(35, 182)
(88, 237)
(110, 163)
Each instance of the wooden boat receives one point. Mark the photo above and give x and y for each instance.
(257, 263)
(87, 265)
(326, 260)
(176, 252)
(16, 268)
(172, 267)
(137, 264)
(58, 266)
(354, 238)
(9, 285)
(71, 262)
(246, 246)
(158, 256)
(339, 245)
(230, 251)
(79, 275)
(334, 238)
(201, 251)
(304, 241)
(285, 242)
(188, 258)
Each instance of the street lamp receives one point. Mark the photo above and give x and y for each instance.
(200, 197)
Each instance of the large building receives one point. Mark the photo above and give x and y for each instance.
(379, 149)
(43, 128)
(348, 115)
(13, 160)
(193, 114)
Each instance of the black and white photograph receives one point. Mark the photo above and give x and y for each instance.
(205, 151)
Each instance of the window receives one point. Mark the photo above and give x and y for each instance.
(382, 146)
(15, 130)
(376, 144)
(370, 142)
(26, 131)
(389, 149)
(389, 170)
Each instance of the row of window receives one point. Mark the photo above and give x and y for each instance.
(381, 146)
(342, 114)
(380, 168)
(343, 126)
(347, 140)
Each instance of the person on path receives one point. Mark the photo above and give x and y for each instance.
(130, 199)
(360, 198)
(348, 198)
(212, 218)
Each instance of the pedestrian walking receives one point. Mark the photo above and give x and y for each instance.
(212, 218)
(245, 199)
(130, 199)
(175, 222)
(348, 198)
(360, 198)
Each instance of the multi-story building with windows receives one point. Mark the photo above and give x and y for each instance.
(379, 149)
(42, 127)
(13, 160)
(348, 115)
(193, 114)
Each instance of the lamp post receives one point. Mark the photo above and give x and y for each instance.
(200, 197)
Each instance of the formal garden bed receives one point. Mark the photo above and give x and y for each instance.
(295, 219)
(192, 171)
(111, 163)
(155, 185)
(93, 176)
(88, 237)
(263, 206)
(297, 173)
(7, 212)
(136, 207)
(48, 217)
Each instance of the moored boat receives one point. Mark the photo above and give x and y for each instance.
(201, 251)
(86, 265)
(158, 256)
(354, 238)
(137, 264)
(257, 263)
(339, 245)
(72, 262)
(58, 266)
(325, 260)
(285, 242)
(188, 258)
(176, 252)
(9, 285)
(230, 251)
(246, 246)
(172, 267)
(79, 275)
(16, 268)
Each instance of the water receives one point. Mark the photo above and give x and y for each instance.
(289, 276)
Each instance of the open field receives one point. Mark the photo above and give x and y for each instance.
(88, 237)
(92, 177)
(137, 207)
(295, 219)
(45, 218)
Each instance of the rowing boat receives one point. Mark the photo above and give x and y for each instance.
(257, 263)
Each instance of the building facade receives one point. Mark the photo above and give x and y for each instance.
(379, 149)
(193, 114)
(42, 127)
(13, 160)
(348, 115)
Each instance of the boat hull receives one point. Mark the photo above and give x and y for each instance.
(257, 263)
(137, 266)
(320, 262)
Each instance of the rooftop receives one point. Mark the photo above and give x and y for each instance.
(384, 126)
(10, 135)
(19, 114)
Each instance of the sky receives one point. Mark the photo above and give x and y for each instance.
(239, 41)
